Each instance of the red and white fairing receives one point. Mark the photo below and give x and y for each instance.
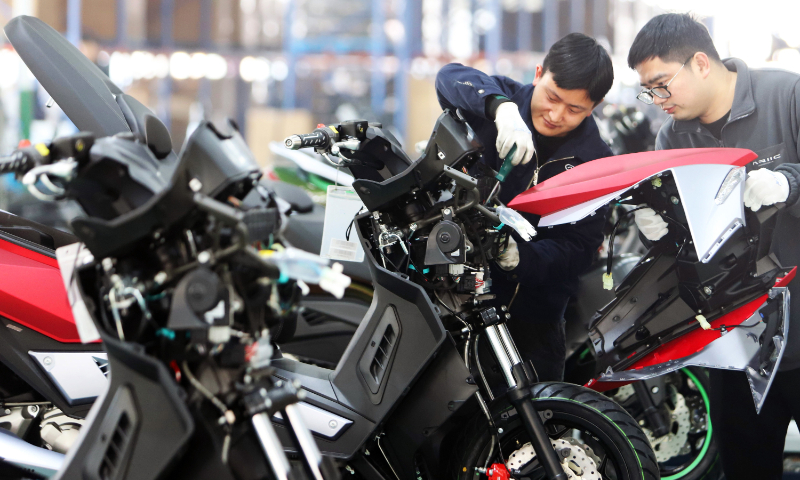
(711, 186)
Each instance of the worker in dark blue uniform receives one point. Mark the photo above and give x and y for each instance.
(550, 123)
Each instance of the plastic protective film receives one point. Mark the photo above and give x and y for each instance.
(738, 349)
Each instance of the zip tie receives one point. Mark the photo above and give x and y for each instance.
(608, 281)
(703, 322)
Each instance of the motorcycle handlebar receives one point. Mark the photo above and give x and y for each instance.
(316, 139)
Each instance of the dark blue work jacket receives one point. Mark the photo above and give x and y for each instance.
(550, 264)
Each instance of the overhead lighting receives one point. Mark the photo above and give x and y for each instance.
(216, 67)
(161, 66)
(197, 65)
(280, 70)
(180, 65)
(253, 69)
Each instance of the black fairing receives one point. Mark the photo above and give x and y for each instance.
(77, 85)
(146, 126)
(218, 157)
(121, 176)
(727, 274)
(141, 425)
(452, 144)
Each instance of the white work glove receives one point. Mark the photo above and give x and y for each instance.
(650, 223)
(509, 259)
(765, 187)
(511, 130)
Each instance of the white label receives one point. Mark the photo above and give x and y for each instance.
(341, 207)
(343, 250)
(70, 257)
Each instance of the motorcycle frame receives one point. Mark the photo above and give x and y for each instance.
(344, 392)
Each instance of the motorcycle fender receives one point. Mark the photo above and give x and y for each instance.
(755, 347)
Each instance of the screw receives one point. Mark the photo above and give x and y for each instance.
(504, 308)
(203, 257)
(195, 184)
(47, 361)
(7, 411)
(350, 469)
(654, 389)
(674, 200)
(333, 424)
(500, 430)
(446, 211)
(708, 290)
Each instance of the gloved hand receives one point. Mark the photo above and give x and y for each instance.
(511, 130)
(650, 223)
(509, 259)
(765, 187)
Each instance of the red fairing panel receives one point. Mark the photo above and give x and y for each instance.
(32, 293)
(604, 176)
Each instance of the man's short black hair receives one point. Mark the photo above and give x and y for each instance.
(672, 37)
(578, 62)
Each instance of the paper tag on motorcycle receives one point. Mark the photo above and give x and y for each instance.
(70, 257)
(339, 238)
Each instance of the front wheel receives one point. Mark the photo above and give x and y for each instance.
(595, 438)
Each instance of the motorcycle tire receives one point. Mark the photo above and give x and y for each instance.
(700, 461)
(616, 444)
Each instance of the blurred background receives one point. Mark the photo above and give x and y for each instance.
(282, 66)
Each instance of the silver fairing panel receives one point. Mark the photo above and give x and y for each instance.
(79, 376)
(710, 224)
(738, 349)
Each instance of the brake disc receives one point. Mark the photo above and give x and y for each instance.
(671, 444)
(577, 459)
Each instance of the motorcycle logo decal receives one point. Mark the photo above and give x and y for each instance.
(769, 157)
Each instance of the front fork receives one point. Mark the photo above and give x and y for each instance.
(520, 378)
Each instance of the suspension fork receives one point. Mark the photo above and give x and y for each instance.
(520, 379)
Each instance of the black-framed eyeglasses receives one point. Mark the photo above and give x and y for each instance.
(647, 95)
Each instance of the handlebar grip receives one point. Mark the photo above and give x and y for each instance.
(315, 139)
(24, 159)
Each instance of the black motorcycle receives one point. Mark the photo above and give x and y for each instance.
(403, 401)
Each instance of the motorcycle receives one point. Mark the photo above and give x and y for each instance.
(406, 385)
(184, 218)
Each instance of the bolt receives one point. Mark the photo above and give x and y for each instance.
(195, 184)
(504, 308)
(708, 290)
(654, 389)
(446, 211)
(7, 411)
(508, 316)
(203, 257)
(444, 237)
(500, 430)
(350, 469)
(674, 200)
(47, 361)
(333, 424)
